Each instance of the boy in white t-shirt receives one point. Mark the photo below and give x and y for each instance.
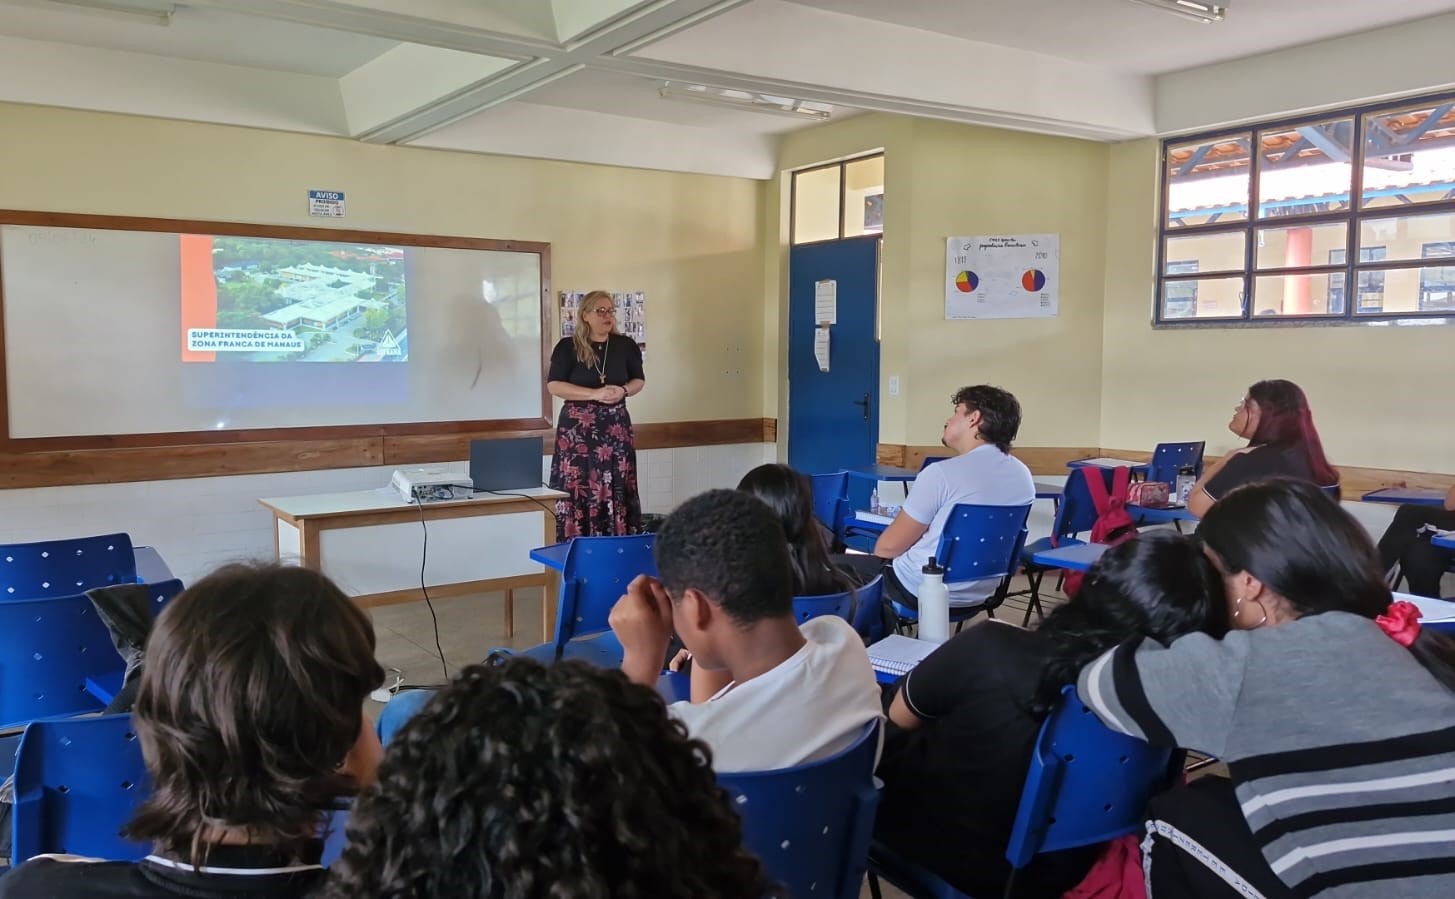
(788, 694)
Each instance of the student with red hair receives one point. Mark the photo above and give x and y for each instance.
(1274, 417)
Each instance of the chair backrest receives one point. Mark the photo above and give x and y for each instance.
(1077, 512)
(831, 501)
(869, 610)
(52, 650)
(980, 542)
(77, 781)
(65, 567)
(931, 460)
(838, 604)
(595, 575)
(1170, 458)
(811, 825)
(1086, 783)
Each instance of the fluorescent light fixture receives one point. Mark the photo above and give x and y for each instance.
(1204, 11)
(746, 100)
(156, 12)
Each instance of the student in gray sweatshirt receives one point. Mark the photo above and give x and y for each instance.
(1334, 712)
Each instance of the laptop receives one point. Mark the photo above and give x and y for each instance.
(505, 465)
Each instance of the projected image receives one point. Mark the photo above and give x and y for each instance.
(259, 300)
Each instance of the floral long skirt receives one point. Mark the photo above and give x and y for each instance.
(595, 463)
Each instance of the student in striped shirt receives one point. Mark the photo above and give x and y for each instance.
(1334, 712)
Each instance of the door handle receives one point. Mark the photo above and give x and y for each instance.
(865, 403)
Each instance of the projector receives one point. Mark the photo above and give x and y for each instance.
(430, 485)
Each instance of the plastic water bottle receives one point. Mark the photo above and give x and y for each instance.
(1186, 478)
(874, 501)
(934, 604)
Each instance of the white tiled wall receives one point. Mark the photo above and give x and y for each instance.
(199, 523)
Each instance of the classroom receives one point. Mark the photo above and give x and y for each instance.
(711, 165)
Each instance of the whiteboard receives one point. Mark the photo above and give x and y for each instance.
(96, 343)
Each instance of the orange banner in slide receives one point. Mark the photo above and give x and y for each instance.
(199, 292)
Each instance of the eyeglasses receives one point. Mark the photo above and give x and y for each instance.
(604, 310)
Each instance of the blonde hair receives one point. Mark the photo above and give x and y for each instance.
(581, 337)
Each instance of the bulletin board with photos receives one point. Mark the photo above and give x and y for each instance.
(631, 314)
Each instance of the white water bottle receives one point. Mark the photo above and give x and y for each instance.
(874, 501)
(934, 604)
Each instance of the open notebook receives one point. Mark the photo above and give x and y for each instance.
(897, 654)
(1432, 611)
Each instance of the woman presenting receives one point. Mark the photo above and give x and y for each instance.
(595, 462)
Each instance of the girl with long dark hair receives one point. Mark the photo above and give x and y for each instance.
(1274, 417)
(789, 494)
(966, 719)
(1333, 709)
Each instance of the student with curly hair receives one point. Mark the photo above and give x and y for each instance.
(780, 694)
(524, 781)
(250, 719)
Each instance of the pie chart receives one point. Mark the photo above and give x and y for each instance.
(1033, 280)
(966, 282)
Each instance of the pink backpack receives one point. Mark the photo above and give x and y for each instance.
(1113, 523)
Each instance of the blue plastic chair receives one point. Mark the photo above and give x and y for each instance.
(931, 460)
(1086, 785)
(1170, 458)
(830, 498)
(868, 611)
(56, 656)
(838, 604)
(595, 575)
(65, 567)
(811, 825)
(1076, 515)
(977, 544)
(77, 781)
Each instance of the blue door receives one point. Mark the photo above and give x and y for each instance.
(833, 416)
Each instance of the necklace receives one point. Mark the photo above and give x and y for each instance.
(601, 368)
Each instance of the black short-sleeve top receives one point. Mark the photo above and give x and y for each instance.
(1259, 464)
(619, 358)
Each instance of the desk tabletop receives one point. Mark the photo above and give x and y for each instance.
(1408, 496)
(1104, 462)
(882, 473)
(1049, 489)
(553, 556)
(385, 499)
(1073, 558)
(1159, 514)
(1446, 541)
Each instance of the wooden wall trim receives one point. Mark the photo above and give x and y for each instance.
(130, 464)
(1039, 459)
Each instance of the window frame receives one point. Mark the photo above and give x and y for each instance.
(1352, 219)
(842, 165)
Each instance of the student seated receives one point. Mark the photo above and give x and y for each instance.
(790, 495)
(784, 694)
(1274, 417)
(1406, 543)
(250, 718)
(532, 781)
(980, 430)
(1333, 709)
(965, 720)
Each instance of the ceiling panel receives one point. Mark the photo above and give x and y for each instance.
(202, 35)
(1129, 37)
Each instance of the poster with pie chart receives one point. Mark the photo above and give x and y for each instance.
(1002, 276)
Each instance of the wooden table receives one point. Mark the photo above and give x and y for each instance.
(372, 544)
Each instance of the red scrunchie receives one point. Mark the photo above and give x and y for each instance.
(1401, 622)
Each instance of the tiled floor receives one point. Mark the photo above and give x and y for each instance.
(470, 626)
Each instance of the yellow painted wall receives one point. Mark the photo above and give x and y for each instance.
(691, 242)
(1377, 392)
(943, 179)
